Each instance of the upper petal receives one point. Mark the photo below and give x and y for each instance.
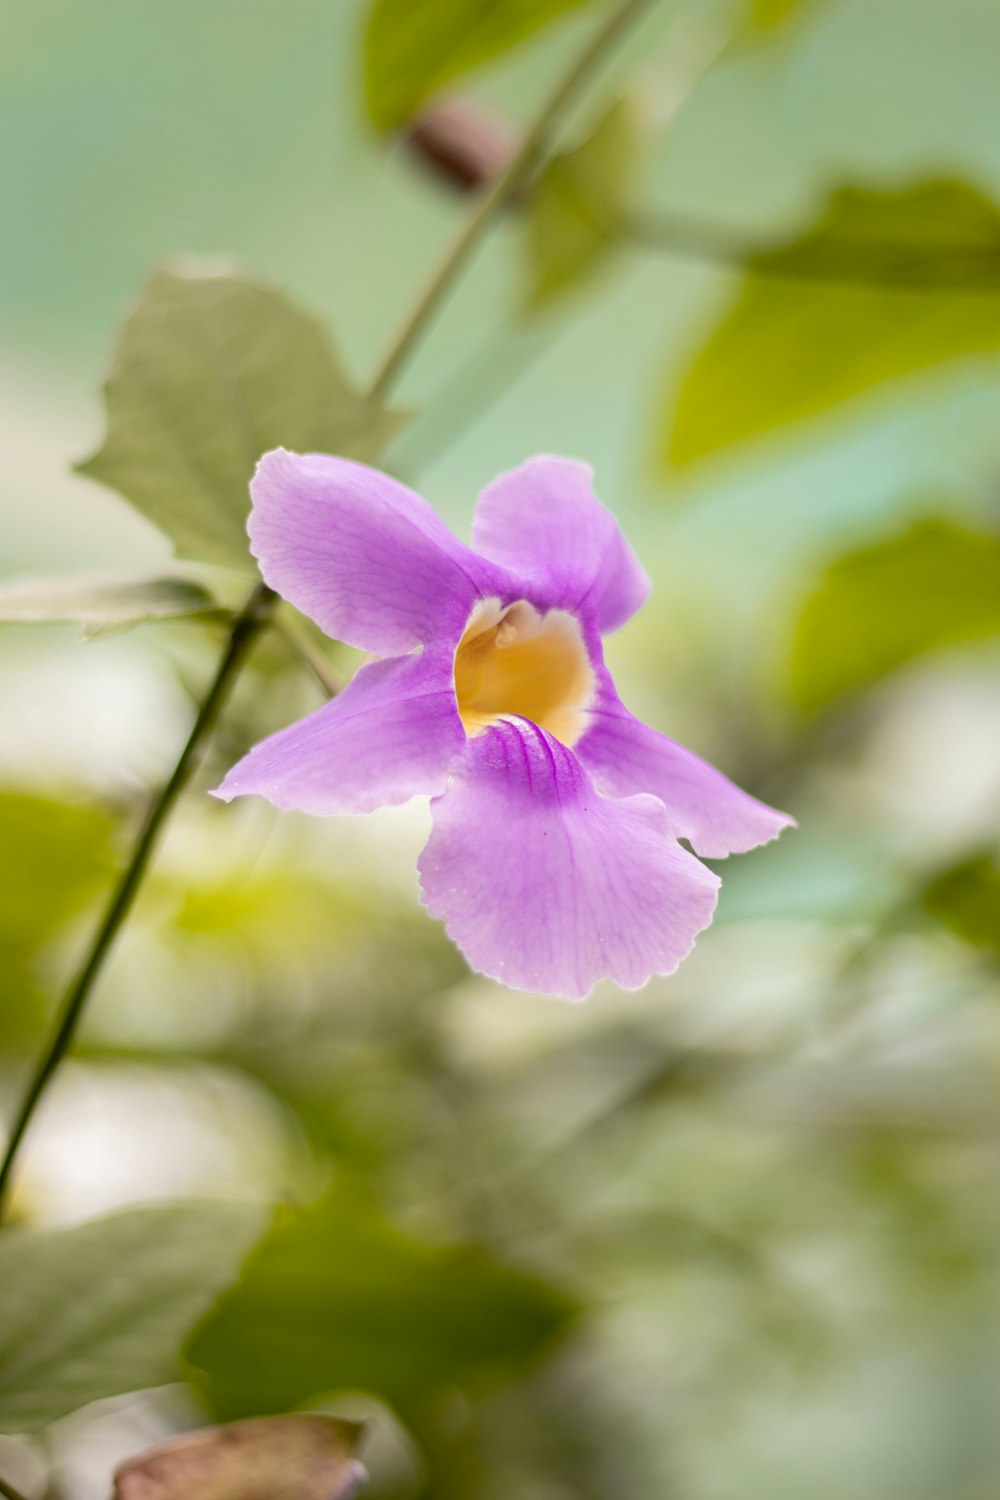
(361, 554)
(544, 522)
(547, 885)
(390, 735)
(626, 756)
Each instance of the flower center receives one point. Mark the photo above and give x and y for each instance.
(516, 661)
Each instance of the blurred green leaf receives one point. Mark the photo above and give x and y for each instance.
(103, 1307)
(337, 1297)
(54, 856)
(577, 206)
(210, 373)
(414, 47)
(932, 585)
(307, 1457)
(769, 15)
(966, 899)
(835, 312)
(101, 605)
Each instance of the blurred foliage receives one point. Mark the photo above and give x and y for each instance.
(102, 605)
(211, 371)
(337, 1297)
(884, 285)
(578, 205)
(768, 15)
(414, 47)
(55, 857)
(966, 898)
(99, 1309)
(935, 584)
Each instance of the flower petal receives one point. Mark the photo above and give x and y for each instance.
(390, 735)
(544, 522)
(626, 756)
(547, 885)
(361, 554)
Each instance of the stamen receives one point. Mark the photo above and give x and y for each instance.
(516, 661)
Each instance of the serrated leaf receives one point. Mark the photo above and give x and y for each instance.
(101, 604)
(103, 1307)
(966, 899)
(307, 1457)
(337, 1297)
(870, 294)
(935, 584)
(212, 371)
(578, 205)
(414, 47)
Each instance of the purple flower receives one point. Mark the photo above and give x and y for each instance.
(553, 859)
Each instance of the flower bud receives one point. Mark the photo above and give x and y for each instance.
(461, 144)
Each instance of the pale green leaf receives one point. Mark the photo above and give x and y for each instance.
(935, 584)
(212, 371)
(304, 1457)
(578, 205)
(338, 1297)
(414, 47)
(103, 1307)
(882, 286)
(101, 604)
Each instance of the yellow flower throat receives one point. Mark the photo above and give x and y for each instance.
(516, 661)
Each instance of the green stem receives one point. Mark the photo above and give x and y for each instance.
(292, 633)
(245, 628)
(532, 149)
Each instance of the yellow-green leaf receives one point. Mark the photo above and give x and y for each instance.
(882, 286)
(966, 899)
(414, 47)
(211, 372)
(935, 584)
(55, 856)
(578, 204)
(305, 1457)
(769, 15)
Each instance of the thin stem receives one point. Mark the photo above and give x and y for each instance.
(292, 633)
(245, 628)
(532, 148)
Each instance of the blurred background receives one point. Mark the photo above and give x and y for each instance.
(747, 1216)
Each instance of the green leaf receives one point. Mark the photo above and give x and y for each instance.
(103, 1307)
(210, 373)
(966, 899)
(101, 605)
(935, 584)
(578, 205)
(414, 47)
(831, 314)
(337, 1297)
(306, 1457)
